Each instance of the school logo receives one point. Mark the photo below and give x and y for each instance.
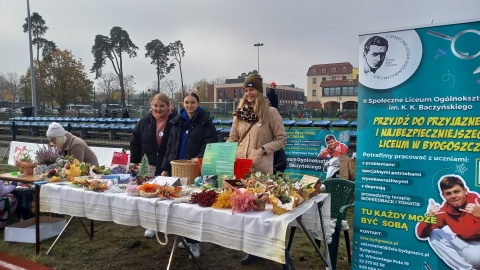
(388, 59)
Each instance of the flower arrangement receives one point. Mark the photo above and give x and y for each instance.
(206, 198)
(148, 187)
(132, 190)
(46, 155)
(96, 185)
(223, 199)
(243, 201)
(25, 157)
(168, 192)
(72, 172)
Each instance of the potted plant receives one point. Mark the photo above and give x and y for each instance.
(46, 158)
(25, 163)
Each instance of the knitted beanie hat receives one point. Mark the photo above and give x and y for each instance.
(255, 81)
(55, 130)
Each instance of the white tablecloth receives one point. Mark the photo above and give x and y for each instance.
(260, 233)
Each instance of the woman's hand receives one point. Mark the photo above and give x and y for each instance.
(194, 160)
(132, 166)
(165, 173)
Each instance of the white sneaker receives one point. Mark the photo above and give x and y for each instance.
(149, 233)
(195, 248)
(180, 245)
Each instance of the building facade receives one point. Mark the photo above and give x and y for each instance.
(332, 87)
(289, 96)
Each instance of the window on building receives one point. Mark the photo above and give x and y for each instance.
(241, 92)
(332, 91)
(314, 71)
(225, 93)
(350, 82)
(235, 93)
(334, 69)
(344, 77)
(314, 93)
(324, 70)
(350, 91)
(220, 93)
(324, 79)
(314, 80)
(344, 69)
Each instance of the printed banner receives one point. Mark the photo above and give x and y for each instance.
(417, 204)
(308, 150)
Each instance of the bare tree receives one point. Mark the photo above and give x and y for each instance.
(129, 87)
(170, 87)
(107, 83)
(219, 80)
(12, 87)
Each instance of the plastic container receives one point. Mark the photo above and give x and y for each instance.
(241, 166)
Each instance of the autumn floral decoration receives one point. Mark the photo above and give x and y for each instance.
(206, 198)
(168, 192)
(254, 197)
(223, 199)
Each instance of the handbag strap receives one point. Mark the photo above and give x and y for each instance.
(244, 135)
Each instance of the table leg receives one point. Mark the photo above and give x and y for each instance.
(64, 228)
(37, 219)
(85, 228)
(91, 228)
(60, 234)
(175, 244)
(324, 234)
(312, 241)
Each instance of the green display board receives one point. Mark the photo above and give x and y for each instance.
(219, 158)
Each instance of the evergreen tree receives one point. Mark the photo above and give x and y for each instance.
(144, 171)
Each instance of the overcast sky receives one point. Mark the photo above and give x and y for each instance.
(218, 35)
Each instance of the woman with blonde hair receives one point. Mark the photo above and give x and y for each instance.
(257, 127)
(150, 136)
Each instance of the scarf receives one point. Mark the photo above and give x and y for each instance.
(160, 126)
(246, 113)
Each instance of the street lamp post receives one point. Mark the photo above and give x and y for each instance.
(32, 70)
(258, 45)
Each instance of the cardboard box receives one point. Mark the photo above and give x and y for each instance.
(24, 231)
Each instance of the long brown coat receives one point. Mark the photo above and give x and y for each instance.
(258, 136)
(77, 148)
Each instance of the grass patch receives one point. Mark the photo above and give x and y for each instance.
(123, 247)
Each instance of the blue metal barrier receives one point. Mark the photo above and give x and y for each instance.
(303, 123)
(340, 123)
(321, 123)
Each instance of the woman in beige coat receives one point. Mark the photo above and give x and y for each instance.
(257, 127)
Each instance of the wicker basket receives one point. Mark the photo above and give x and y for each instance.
(185, 168)
(148, 194)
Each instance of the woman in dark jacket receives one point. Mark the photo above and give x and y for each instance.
(192, 130)
(150, 135)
